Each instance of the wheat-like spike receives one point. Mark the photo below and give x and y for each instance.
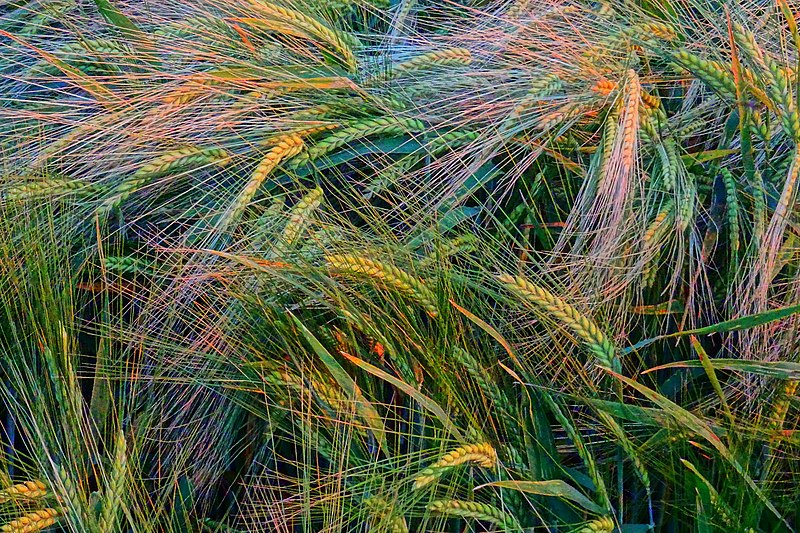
(482, 455)
(114, 487)
(478, 511)
(455, 246)
(128, 264)
(48, 187)
(354, 131)
(781, 406)
(660, 223)
(385, 515)
(630, 119)
(299, 218)
(686, 206)
(610, 129)
(601, 525)
(711, 73)
(761, 127)
(732, 205)
(604, 87)
(450, 140)
(172, 161)
(484, 380)
(286, 147)
(309, 131)
(650, 271)
(776, 80)
(390, 275)
(349, 106)
(671, 163)
(627, 446)
(77, 53)
(33, 521)
(567, 112)
(651, 30)
(545, 85)
(437, 58)
(288, 19)
(650, 101)
(28, 490)
(585, 328)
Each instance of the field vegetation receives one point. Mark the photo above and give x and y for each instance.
(399, 266)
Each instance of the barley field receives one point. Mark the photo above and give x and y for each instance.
(398, 266)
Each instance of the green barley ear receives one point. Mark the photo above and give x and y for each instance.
(389, 275)
(439, 58)
(115, 486)
(712, 73)
(478, 511)
(174, 161)
(299, 219)
(384, 516)
(781, 405)
(582, 326)
(289, 21)
(483, 455)
(733, 210)
(48, 187)
(285, 147)
(356, 130)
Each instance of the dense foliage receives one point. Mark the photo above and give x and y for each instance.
(432, 265)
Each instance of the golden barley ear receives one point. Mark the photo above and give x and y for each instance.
(584, 327)
(475, 510)
(388, 275)
(483, 455)
(33, 522)
(27, 490)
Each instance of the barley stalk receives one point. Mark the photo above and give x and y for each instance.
(389, 275)
(354, 131)
(650, 30)
(173, 161)
(450, 248)
(33, 521)
(478, 511)
(482, 455)
(776, 80)
(585, 328)
(28, 490)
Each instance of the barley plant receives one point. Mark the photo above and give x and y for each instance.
(399, 266)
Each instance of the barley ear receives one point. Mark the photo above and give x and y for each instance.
(582, 326)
